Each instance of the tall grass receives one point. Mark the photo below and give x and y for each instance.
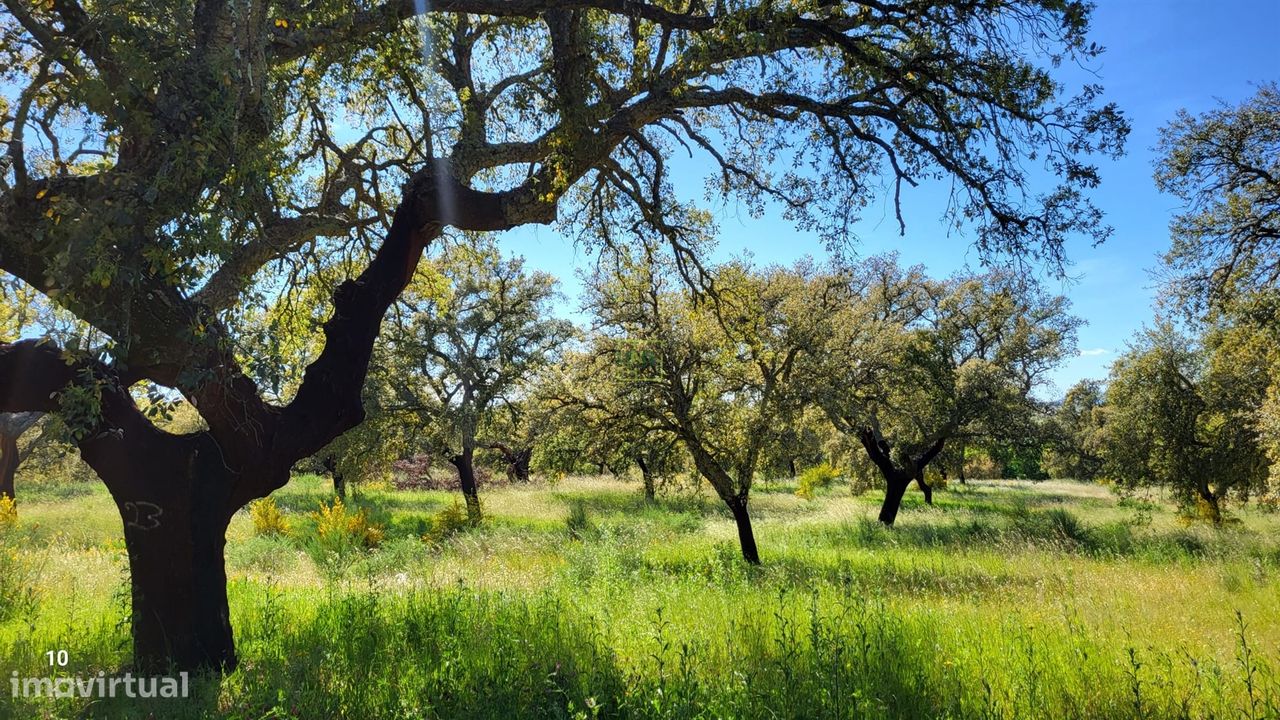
(580, 605)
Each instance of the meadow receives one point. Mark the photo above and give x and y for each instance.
(577, 599)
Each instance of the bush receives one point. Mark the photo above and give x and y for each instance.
(18, 583)
(339, 530)
(578, 522)
(1055, 526)
(447, 523)
(816, 478)
(8, 512)
(267, 518)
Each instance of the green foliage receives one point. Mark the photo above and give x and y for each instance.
(1179, 415)
(813, 479)
(1020, 461)
(1224, 165)
(1074, 447)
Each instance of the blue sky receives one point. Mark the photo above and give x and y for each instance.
(1161, 56)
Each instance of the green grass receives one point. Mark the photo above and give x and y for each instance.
(1006, 599)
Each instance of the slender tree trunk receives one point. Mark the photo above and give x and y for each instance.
(746, 536)
(339, 481)
(791, 463)
(520, 464)
(895, 488)
(465, 462)
(650, 487)
(8, 464)
(924, 487)
(961, 473)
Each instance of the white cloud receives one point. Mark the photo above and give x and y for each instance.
(1093, 352)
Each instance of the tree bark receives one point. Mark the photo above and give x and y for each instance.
(465, 463)
(896, 487)
(650, 486)
(517, 460)
(897, 479)
(791, 463)
(746, 536)
(174, 498)
(339, 481)
(924, 487)
(8, 465)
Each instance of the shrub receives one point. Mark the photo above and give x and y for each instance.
(8, 512)
(447, 523)
(1056, 526)
(18, 583)
(816, 478)
(578, 522)
(1066, 526)
(338, 529)
(267, 518)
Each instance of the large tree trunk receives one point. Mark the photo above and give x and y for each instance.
(8, 464)
(175, 500)
(465, 462)
(176, 494)
(896, 487)
(180, 612)
(746, 536)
